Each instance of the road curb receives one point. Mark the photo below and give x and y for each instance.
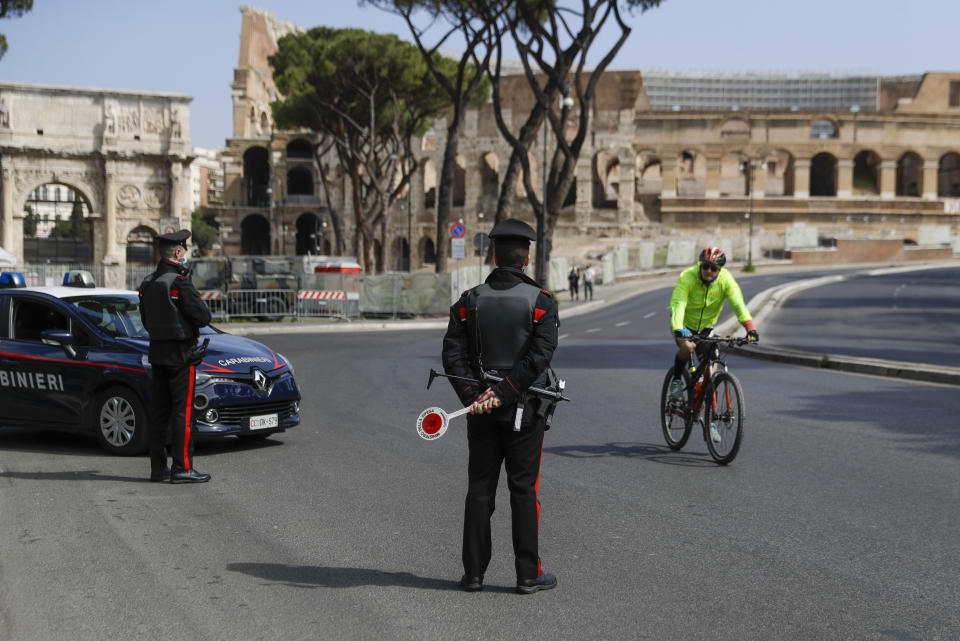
(768, 300)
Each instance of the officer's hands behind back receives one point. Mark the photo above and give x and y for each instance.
(485, 403)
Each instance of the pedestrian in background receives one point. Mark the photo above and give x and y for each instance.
(507, 327)
(173, 313)
(574, 279)
(588, 276)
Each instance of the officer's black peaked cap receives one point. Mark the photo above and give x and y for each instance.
(175, 238)
(513, 228)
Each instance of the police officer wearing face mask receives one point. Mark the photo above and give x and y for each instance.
(506, 327)
(173, 314)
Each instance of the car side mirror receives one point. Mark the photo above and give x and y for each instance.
(61, 337)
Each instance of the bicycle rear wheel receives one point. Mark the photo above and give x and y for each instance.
(725, 411)
(675, 419)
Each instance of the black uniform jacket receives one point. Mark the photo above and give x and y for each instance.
(459, 357)
(174, 353)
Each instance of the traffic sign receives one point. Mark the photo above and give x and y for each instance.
(481, 241)
(457, 230)
(458, 248)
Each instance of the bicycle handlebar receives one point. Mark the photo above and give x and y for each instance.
(729, 340)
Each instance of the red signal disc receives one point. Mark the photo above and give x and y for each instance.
(432, 423)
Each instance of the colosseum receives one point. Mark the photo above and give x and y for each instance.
(668, 156)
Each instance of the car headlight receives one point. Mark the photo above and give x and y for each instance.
(201, 378)
(287, 362)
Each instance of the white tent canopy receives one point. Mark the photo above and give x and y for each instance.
(7, 259)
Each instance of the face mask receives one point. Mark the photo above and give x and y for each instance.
(183, 261)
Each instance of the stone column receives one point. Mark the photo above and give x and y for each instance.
(6, 201)
(801, 178)
(584, 204)
(888, 179)
(844, 179)
(758, 178)
(625, 196)
(931, 175)
(668, 179)
(176, 192)
(713, 178)
(111, 251)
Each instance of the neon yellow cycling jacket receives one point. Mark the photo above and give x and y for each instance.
(696, 306)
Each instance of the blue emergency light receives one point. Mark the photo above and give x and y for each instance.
(78, 278)
(12, 279)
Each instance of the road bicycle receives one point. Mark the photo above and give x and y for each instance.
(709, 399)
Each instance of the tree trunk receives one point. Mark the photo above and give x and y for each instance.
(365, 234)
(445, 194)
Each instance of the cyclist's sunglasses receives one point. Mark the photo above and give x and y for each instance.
(710, 267)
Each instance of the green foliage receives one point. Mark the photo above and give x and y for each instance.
(75, 227)
(29, 222)
(749, 268)
(204, 229)
(12, 9)
(336, 77)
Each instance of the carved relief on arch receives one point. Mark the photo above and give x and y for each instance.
(128, 196)
(156, 196)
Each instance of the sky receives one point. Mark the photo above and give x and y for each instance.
(191, 46)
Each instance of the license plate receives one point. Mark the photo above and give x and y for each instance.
(263, 422)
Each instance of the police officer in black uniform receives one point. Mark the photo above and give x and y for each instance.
(506, 327)
(173, 313)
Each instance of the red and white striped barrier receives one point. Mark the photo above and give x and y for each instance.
(210, 294)
(306, 294)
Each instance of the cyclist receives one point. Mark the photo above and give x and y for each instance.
(695, 306)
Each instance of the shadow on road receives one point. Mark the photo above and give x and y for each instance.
(79, 475)
(329, 577)
(650, 452)
(16, 439)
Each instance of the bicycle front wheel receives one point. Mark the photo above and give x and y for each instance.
(675, 419)
(724, 416)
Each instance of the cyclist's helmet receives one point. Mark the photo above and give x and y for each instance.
(713, 255)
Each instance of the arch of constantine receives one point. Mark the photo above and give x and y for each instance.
(125, 155)
(667, 154)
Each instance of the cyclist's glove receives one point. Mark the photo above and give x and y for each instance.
(682, 332)
(753, 336)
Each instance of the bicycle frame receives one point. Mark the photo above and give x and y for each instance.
(712, 357)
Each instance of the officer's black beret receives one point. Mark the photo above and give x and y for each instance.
(174, 238)
(513, 228)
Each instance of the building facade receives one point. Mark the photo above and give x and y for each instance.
(666, 155)
(124, 155)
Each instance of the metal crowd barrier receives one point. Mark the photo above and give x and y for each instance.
(278, 304)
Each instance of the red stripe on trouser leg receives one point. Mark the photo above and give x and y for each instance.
(188, 420)
(536, 493)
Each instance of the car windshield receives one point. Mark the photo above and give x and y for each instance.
(115, 315)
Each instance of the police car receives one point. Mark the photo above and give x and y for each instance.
(74, 358)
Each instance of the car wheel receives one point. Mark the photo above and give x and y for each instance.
(120, 422)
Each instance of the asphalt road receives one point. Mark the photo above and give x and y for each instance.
(838, 520)
(911, 316)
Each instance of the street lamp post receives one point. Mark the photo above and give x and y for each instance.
(750, 166)
(273, 223)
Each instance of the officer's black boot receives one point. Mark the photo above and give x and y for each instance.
(189, 476)
(543, 582)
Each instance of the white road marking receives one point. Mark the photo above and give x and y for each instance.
(623, 323)
(651, 314)
(562, 336)
(593, 329)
